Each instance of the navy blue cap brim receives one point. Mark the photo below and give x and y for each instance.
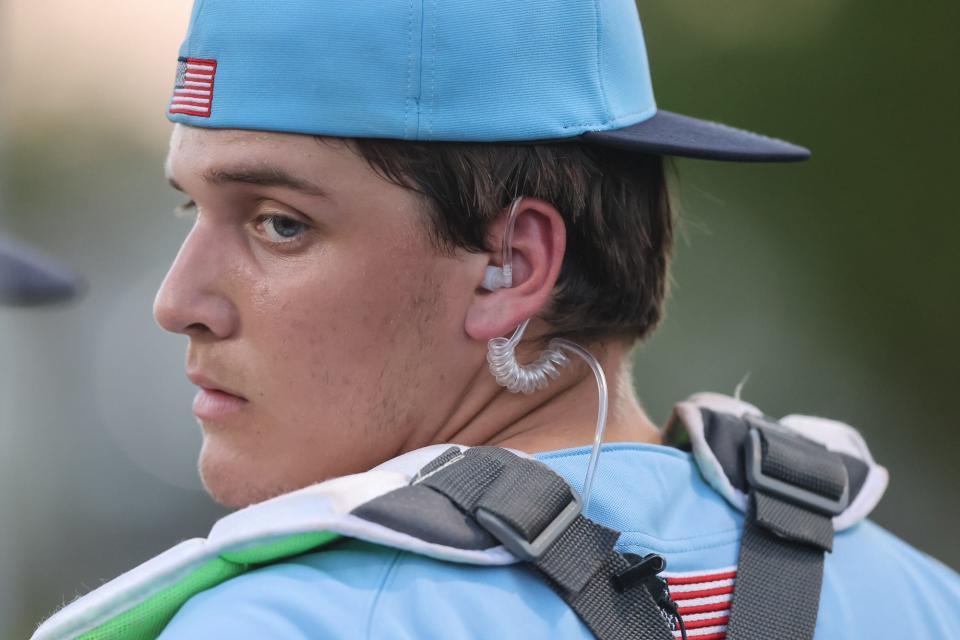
(28, 278)
(672, 134)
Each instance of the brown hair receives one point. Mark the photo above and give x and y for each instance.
(616, 206)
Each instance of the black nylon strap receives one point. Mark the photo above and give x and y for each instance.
(527, 498)
(465, 481)
(579, 564)
(804, 464)
(777, 593)
(626, 615)
(448, 456)
(585, 541)
(780, 569)
(792, 523)
(725, 432)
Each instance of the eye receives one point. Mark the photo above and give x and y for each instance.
(280, 229)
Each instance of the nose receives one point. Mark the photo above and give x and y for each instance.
(193, 299)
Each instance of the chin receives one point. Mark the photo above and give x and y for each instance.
(232, 482)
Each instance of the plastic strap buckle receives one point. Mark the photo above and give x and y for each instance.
(758, 480)
(514, 540)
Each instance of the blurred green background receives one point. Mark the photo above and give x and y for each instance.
(832, 283)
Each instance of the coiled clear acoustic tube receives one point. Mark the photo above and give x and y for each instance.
(519, 378)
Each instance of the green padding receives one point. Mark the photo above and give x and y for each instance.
(146, 620)
(273, 551)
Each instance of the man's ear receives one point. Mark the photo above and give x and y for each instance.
(539, 242)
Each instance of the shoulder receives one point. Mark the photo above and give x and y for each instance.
(298, 598)
(361, 590)
(876, 585)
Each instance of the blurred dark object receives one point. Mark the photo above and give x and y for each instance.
(29, 278)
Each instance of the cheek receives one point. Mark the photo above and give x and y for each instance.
(324, 337)
(336, 354)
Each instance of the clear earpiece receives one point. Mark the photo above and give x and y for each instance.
(528, 378)
(523, 378)
(502, 277)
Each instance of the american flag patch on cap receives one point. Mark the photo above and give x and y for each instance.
(193, 91)
(703, 601)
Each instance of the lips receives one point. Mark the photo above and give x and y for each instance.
(213, 402)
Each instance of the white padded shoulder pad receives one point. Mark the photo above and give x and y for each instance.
(835, 436)
(323, 507)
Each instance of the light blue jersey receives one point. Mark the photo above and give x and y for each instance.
(874, 585)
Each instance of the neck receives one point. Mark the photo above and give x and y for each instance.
(561, 416)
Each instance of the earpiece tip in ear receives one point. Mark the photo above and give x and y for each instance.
(496, 278)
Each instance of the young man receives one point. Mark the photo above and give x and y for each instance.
(381, 190)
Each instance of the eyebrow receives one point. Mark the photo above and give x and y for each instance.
(259, 176)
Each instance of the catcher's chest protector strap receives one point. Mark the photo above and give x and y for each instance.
(486, 495)
(795, 491)
(798, 481)
(484, 506)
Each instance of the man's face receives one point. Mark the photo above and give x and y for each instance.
(323, 326)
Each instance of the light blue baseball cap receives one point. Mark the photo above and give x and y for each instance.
(450, 70)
